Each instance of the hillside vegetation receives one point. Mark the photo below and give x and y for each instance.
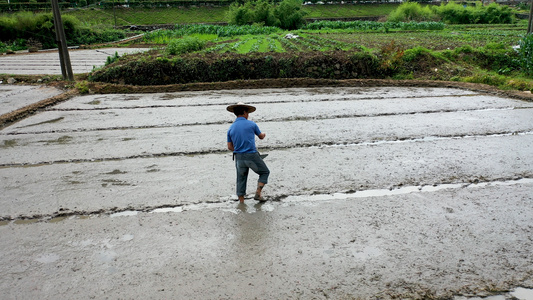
(433, 50)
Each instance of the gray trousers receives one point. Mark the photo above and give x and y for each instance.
(243, 163)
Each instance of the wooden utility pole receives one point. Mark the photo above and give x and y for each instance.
(115, 14)
(530, 24)
(64, 58)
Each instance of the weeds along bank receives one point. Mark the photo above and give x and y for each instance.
(389, 62)
(26, 30)
(214, 67)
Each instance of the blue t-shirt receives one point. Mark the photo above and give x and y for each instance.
(242, 134)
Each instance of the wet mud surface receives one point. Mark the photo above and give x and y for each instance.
(15, 97)
(375, 192)
(47, 62)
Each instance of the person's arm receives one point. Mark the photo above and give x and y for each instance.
(258, 132)
(230, 142)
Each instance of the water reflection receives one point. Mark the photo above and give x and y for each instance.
(251, 226)
(245, 208)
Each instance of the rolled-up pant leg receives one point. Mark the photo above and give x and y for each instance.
(261, 169)
(243, 163)
(242, 176)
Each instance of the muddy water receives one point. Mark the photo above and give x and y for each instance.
(13, 97)
(374, 193)
(397, 245)
(154, 181)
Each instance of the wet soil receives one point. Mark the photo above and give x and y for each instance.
(105, 88)
(376, 192)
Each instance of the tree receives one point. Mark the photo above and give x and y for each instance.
(290, 14)
(286, 15)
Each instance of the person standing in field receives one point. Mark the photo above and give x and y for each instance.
(241, 140)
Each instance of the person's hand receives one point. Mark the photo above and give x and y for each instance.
(262, 135)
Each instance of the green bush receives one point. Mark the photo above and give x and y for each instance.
(454, 13)
(287, 14)
(412, 54)
(412, 11)
(40, 27)
(7, 28)
(494, 13)
(519, 84)
(112, 59)
(26, 25)
(493, 57)
(264, 14)
(87, 36)
(16, 45)
(494, 80)
(526, 54)
(184, 45)
(241, 14)
(82, 87)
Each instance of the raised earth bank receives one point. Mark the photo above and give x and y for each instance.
(159, 69)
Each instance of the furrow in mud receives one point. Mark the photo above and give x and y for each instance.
(15, 90)
(228, 204)
(98, 106)
(273, 148)
(286, 119)
(258, 96)
(73, 121)
(185, 179)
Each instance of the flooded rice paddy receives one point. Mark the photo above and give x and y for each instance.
(374, 193)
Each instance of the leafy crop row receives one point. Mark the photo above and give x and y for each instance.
(526, 54)
(289, 45)
(374, 26)
(164, 36)
(329, 43)
(245, 59)
(225, 31)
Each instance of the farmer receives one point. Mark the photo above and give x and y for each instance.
(241, 140)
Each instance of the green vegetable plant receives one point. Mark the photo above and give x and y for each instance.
(184, 45)
(526, 54)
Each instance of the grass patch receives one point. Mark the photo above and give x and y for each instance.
(9, 144)
(150, 16)
(348, 11)
(192, 15)
(59, 141)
